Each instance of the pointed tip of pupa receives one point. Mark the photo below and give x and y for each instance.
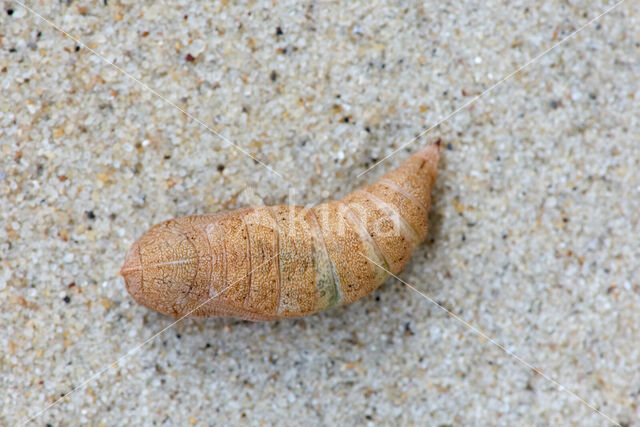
(431, 152)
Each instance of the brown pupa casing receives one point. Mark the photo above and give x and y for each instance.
(270, 262)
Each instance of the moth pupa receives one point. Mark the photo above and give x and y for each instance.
(270, 262)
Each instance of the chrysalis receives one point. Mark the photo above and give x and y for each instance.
(271, 262)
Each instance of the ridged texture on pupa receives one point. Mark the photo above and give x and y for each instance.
(270, 262)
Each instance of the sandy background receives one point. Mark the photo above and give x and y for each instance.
(534, 234)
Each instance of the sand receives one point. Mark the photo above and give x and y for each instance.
(534, 237)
